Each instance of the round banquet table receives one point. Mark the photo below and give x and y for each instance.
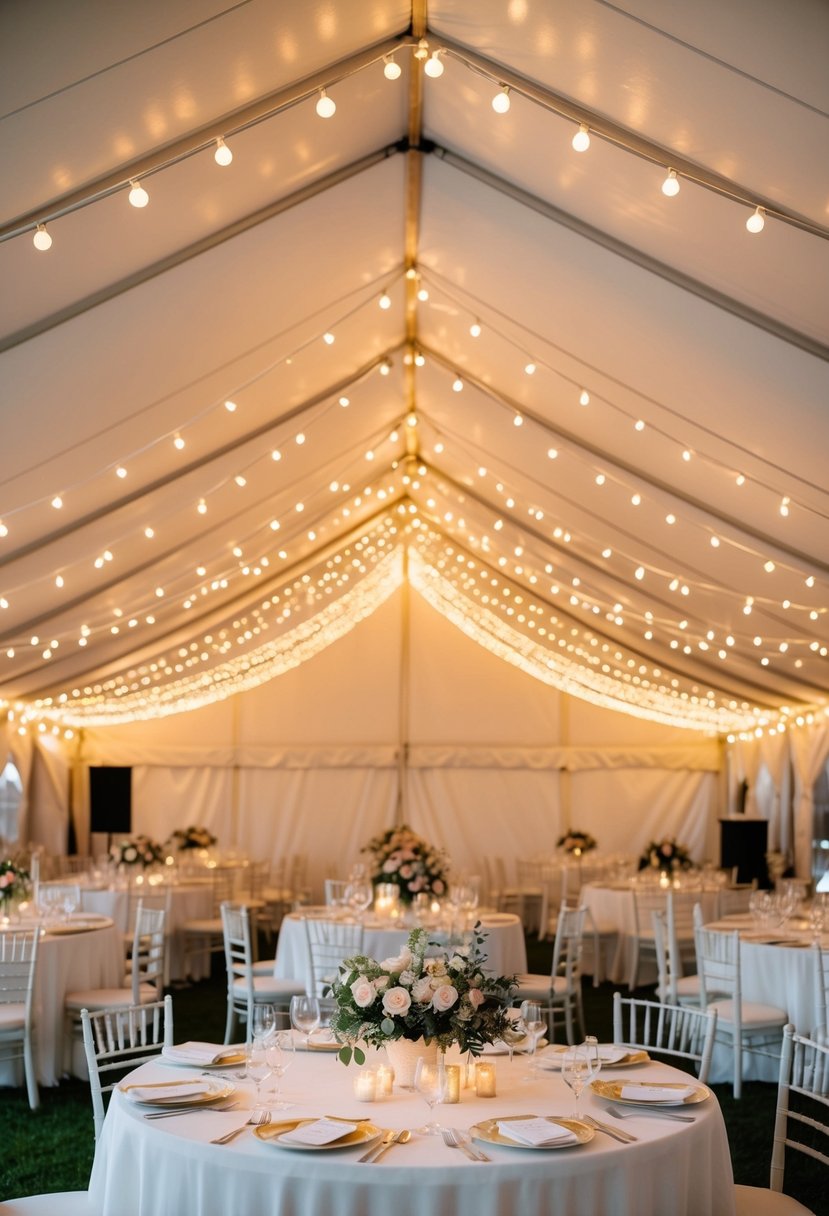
(777, 967)
(66, 962)
(505, 946)
(189, 901)
(167, 1167)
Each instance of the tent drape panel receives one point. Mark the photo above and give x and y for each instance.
(480, 812)
(164, 799)
(326, 814)
(809, 753)
(48, 822)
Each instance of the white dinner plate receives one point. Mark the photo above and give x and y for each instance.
(272, 1133)
(182, 1091)
(613, 1091)
(489, 1133)
(552, 1056)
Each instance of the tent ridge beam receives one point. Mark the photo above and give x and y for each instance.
(635, 256)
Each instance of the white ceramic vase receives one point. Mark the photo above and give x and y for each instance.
(403, 1056)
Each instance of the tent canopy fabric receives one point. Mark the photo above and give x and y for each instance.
(418, 343)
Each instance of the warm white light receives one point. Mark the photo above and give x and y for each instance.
(385, 301)
(530, 369)
(423, 294)
(670, 186)
(240, 481)
(686, 455)
(422, 49)
(457, 385)
(41, 239)
(501, 101)
(178, 442)
(385, 367)
(784, 506)
(434, 65)
(149, 533)
(756, 222)
(121, 472)
(584, 397)
(639, 425)
(57, 502)
(600, 479)
(518, 420)
(391, 69)
(475, 329)
(223, 155)
(138, 196)
(299, 438)
(581, 140)
(202, 507)
(769, 567)
(326, 106)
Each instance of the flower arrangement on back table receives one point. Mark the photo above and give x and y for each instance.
(14, 881)
(576, 843)
(666, 854)
(402, 857)
(137, 851)
(444, 996)
(192, 838)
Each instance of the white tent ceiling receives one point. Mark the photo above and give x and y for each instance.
(162, 580)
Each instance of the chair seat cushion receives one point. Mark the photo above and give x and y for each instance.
(758, 1201)
(269, 987)
(265, 966)
(12, 1016)
(754, 1014)
(103, 998)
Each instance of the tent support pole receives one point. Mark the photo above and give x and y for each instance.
(565, 781)
(401, 809)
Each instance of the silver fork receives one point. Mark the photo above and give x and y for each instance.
(258, 1118)
(453, 1139)
(615, 1133)
(188, 1110)
(650, 1113)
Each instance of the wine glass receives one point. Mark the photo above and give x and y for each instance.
(574, 1072)
(535, 1024)
(594, 1059)
(305, 1015)
(279, 1052)
(358, 895)
(263, 1020)
(256, 1058)
(513, 1034)
(430, 1083)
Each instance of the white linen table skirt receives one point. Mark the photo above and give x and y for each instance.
(505, 947)
(168, 1168)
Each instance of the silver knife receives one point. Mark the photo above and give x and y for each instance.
(377, 1149)
(384, 1148)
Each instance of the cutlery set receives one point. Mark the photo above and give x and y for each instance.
(390, 1138)
(452, 1138)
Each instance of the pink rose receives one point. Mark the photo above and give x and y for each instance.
(363, 992)
(476, 997)
(396, 1002)
(422, 990)
(444, 998)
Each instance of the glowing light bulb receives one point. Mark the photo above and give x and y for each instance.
(756, 222)
(138, 196)
(581, 140)
(501, 100)
(223, 155)
(385, 368)
(328, 338)
(422, 49)
(434, 65)
(57, 502)
(385, 301)
(178, 443)
(230, 406)
(530, 369)
(457, 385)
(41, 239)
(391, 69)
(670, 186)
(475, 329)
(584, 397)
(326, 106)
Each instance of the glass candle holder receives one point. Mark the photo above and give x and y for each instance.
(385, 1081)
(485, 1079)
(453, 1083)
(365, 1085)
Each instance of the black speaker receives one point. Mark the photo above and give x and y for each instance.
(110, 799)
(743, 843)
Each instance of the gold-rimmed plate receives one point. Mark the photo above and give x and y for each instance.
(227, 1059)
(612, 1090)
(272, 1133)
(553, 1055)
(488, 1132)
(78, 924)
(320, 1041)
(184, 1091)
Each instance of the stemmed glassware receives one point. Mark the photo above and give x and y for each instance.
(358, 896)
(534, 1023)
(305, 1015)
(256, 1056)
(594, 1059)
(430, 1082)
(263, 1020)
(279, 1052)
(574, 1071)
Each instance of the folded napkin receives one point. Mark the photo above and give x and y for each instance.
(537, 1132)
(608, 1054)
(655, 1093)
(200, 1054)
(167, 1091)
(321, 1131)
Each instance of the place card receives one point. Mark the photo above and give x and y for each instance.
(321, 1131)
(536, 1132)
(655, 1093)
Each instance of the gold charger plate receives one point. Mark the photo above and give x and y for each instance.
(84, 924)
(215, 1089)
(551, 1059)
(613, 1090)
(272, 1133)
(488, 1132)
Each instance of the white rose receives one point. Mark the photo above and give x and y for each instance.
(396, 1002)
(422, 990)
(381, 983)
(444, 998)
(407, 978)
(401, 962)
(363, 992)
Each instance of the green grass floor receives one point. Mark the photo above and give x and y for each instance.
(51, 1149)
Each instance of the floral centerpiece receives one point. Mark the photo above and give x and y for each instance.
(192, 838)
(666, 854)
(14, 881)
(445, 997)
(575, 843)
(137, 851)
(402, 857)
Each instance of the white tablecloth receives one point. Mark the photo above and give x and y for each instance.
(188, 902)
(505, 947)
(167, 1167)
(66, 963)
(614, 905)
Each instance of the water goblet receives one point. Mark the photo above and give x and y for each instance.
(263, 1020)
(534, 1024)
(358, 895)
(574, 1073)
(305, 1015)
(430, 1082)
(256, 1057)
(594, 1059)
(279, 1052)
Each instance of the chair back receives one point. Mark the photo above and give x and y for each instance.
(718, 965)
(821, 973)
(802, 1121)
(567, 947)
(328, 943)
(335, 889)
(149, 949)
(666, 1029)
(117, 1040)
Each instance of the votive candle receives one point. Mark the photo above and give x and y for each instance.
(365, 1085)
(453, 1083)
(385, 1081)
(485, 1079)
